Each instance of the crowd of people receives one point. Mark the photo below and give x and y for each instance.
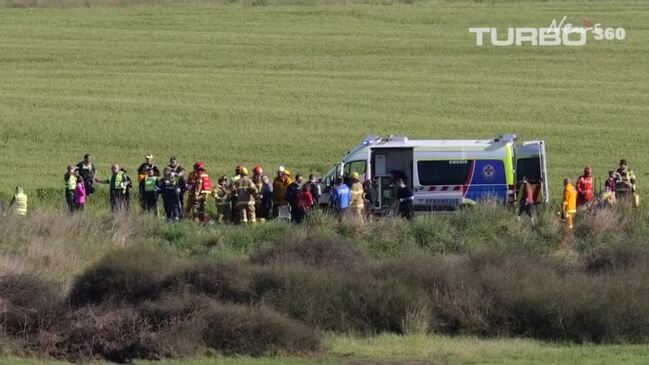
(244, 198)
(248, 197)
(620, 186)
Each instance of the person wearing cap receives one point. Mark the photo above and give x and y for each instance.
(142, 173)
(88, 173)
(70, 179)
(170, 191)
(585, 187)
(178, 172)
(280, 185)
(626, 184)
(357, 204)
(246, 193)
(223, 196)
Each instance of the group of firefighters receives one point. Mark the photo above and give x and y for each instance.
(620, 186)
(246, 198)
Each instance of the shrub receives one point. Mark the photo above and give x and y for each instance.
(131, 274)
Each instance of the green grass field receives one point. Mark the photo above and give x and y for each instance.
(299, 85)
(433, 350)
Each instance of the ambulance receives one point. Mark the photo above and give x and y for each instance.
(444, 174)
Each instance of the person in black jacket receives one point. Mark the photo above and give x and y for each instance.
(291, 195)
(406, 200)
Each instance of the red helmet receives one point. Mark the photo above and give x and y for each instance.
(257, 170)
(199, 166)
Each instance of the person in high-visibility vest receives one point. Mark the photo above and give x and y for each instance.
(119, 184)
(585, 187)
(626, 184)
(569, 203)
(70, 180)
(151, 192)
(19, 202)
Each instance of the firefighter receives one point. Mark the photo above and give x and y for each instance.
(223, 197)
(19, 202)
(569, 203)
(625, 188)
(142, 173)
(585, 187)
(70, 180)
(280, 185)
(151, 192)
(191, 198)
(257, 179)
(88, 172)
(201, 189)
(526, 204)
(357, 204)
(235, 217)
(168, 187)
(246, 192)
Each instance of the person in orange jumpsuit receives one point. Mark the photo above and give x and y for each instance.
(569, 204)
(585, 187)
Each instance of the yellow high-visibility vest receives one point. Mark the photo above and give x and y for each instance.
(20, 201)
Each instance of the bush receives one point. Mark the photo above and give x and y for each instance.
(131, 275)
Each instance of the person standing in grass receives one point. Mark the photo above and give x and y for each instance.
(142, 173)
(340, 197)
(19, 202)
(291, 195)
(118, 187)
(314, 189)
(151, 192)
(569, 203)
(88, 173)
(406, 200)
(526, 204)
(79, 193)
(178, 172)
(223, 197)
(170, 191)
(246, 193)
(304, 203)
(371, 196)
(358, 196)
(266, 198)
(280, 185)
(70, 179)
(585, 187)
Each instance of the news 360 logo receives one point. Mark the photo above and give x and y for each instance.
(556, 34)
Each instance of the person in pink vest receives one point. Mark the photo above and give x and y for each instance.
(79, 193)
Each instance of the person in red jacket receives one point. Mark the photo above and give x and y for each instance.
(585, 187)
(304, 203)
(201, 188)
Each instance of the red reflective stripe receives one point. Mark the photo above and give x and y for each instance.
(444, 188)
(432, 188)
(457, 188)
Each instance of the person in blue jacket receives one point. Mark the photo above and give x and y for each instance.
(341, 197)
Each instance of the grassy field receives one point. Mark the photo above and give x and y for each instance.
(299, 85)
(434, 350)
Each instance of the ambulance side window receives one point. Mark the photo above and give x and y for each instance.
(355, 166)
(453, 172)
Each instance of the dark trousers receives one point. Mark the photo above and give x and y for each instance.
(299, 215)
(172, 211)
(264, 210)
(526, 208)
(151, 201)
(118, 200)
(405, 209)
(69, 200)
